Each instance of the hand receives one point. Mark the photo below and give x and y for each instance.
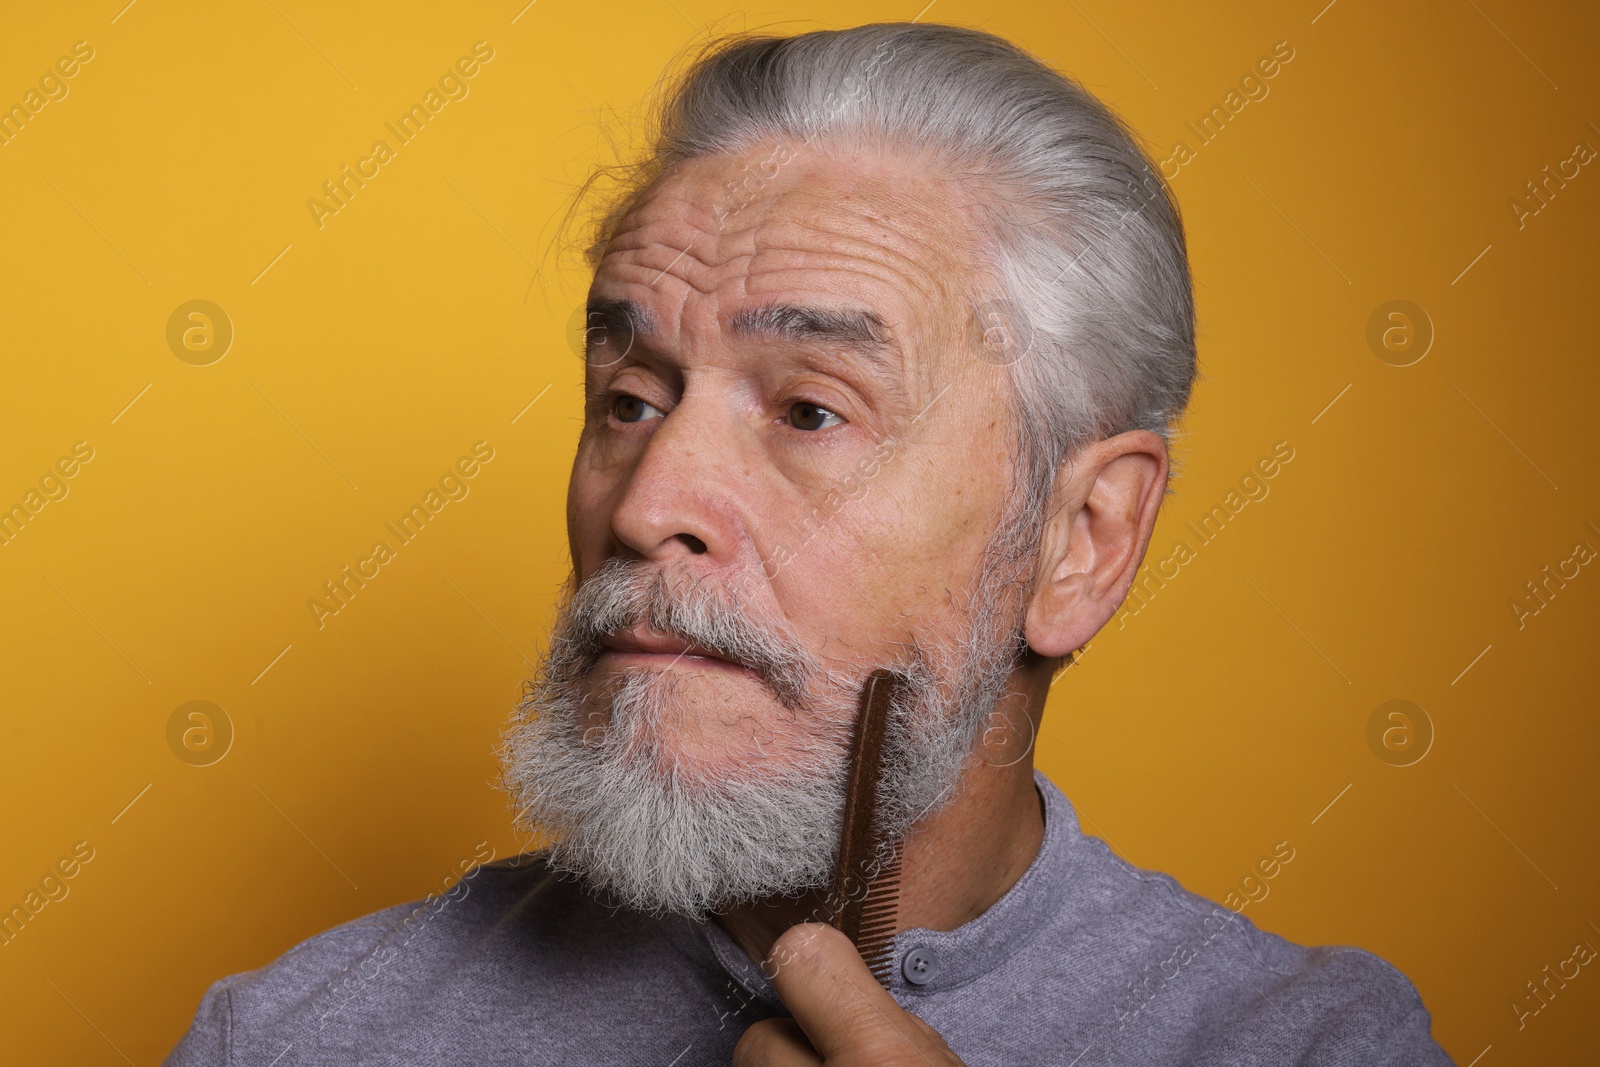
(842, 1016)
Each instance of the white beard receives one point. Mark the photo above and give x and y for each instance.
(663, 833)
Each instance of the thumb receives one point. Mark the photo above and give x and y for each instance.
(846, 1014)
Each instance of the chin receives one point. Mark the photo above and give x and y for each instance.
(682, 803)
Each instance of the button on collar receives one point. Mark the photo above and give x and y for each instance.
(919, 966)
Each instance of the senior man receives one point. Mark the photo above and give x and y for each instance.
(885, 341)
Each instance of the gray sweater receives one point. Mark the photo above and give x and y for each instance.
(1087, 961)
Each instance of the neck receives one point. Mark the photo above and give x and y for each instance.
(958, 861)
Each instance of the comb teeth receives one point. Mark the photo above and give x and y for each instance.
(864, 902)
(881, 964)
(875, 939)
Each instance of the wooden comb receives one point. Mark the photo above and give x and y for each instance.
(865, 896)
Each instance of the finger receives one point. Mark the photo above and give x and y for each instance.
(836, 1000)
(775, 1043)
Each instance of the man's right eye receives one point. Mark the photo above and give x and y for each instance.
(631, 409)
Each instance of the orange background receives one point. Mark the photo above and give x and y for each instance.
(1228, 714)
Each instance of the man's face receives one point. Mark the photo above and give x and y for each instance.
(790, 473)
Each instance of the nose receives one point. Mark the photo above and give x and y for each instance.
(682, 498)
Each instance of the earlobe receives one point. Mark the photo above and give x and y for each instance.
(1065, 595)
(1105, 510)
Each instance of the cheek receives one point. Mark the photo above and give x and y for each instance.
(827, 588)
(605, 452)
(882, 566)
(933, 539)
(590, 496)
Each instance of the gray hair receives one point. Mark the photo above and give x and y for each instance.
(1084, 237)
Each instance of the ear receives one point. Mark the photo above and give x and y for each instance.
(1102, 513)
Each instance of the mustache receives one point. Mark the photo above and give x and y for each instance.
(624, 593)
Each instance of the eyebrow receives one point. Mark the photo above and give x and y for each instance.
(624, 318)
(855, 329)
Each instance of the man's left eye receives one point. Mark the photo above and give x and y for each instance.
(808, 416)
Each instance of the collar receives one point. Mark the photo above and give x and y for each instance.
(945, 959)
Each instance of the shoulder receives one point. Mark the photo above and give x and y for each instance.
(1206, 985)
(484, 897)
(348, 971)
(1261, 997)
(1355, 1002)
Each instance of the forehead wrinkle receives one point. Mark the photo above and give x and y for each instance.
(826, 233)
(761, 277)
(877, 208)
(680, 222)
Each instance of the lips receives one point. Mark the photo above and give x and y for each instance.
(643, 644)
